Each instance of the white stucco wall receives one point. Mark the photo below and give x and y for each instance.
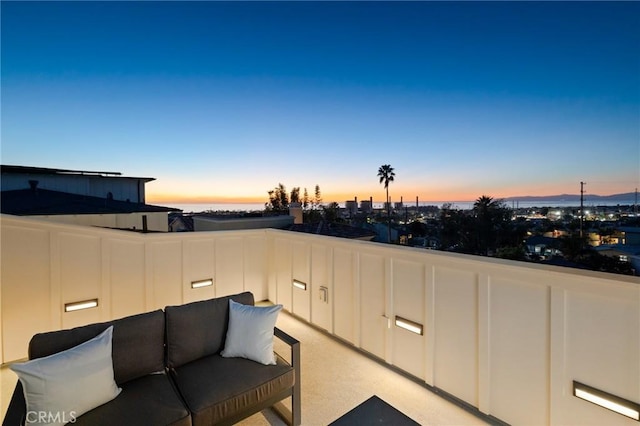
(156, 221)
(506, 337)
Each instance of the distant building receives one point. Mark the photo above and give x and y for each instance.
(429, 242)
(381, 232)
(623, 253)
(104, 199)
(180, 223)
(110, 185)
(295, 210)
(539, 245)
(351, 206)
(630, 235)
(366, 206)
(625, 246)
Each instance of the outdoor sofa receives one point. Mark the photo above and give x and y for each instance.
(169, 367)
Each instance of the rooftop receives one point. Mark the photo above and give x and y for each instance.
(31, 202)
(50, 171)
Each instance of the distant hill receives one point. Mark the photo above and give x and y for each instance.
(625, 197)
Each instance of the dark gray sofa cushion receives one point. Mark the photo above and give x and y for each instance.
(138, 344)
(217, 389)
(148, 400)
(198, 329)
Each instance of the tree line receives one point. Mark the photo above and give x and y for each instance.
(280, 199)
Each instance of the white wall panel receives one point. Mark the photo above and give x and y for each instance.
(301, 267)
(255, 267)
(26, 293)
(601, 340)
(283, 277)
(343, 292)
(408, 282)
(518, 333)
(229, 266)
(519, 355)
(155, 221)
(47, 264)
(456, 338)
(199, 264)
(373, 322)
(126, 278)
(271, 275)
(80, 277)
(321, 300)
(165, 272)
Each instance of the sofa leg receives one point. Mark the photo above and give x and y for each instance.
(296, 393)
(292, 417)
(296, 406)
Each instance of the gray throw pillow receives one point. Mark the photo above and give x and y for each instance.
(250, 332)
(61, 387)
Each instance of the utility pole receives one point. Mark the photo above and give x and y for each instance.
(582, 184)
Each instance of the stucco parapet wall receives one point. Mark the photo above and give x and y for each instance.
(203, 223)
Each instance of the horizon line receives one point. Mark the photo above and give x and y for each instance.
(525, 198)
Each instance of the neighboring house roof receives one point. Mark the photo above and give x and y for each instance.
(213, 222)
(49, 171)
(29, 202)
(561, 261)
(333, 230)
(632, 250)
(629, 229)
(179, 222)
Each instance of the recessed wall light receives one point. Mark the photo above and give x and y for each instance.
(299, 284)
(77, 306)
(202, 283)
(409, 325)
(607, 400)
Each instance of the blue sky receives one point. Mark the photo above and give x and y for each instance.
(222, 101)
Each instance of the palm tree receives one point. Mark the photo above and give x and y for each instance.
(484, 205)
(386, 175)
(491, 216)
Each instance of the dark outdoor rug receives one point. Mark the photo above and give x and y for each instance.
(374, 411)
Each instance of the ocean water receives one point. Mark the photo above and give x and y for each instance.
(464, 205)
(201, 207)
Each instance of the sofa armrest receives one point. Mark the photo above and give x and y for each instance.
(296, 403)
(17, 410)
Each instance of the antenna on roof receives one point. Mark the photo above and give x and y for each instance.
(582, 184)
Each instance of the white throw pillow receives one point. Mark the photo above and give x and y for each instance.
(250, 332)
(61, 387)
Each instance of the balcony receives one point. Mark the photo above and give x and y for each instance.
(504, 338)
